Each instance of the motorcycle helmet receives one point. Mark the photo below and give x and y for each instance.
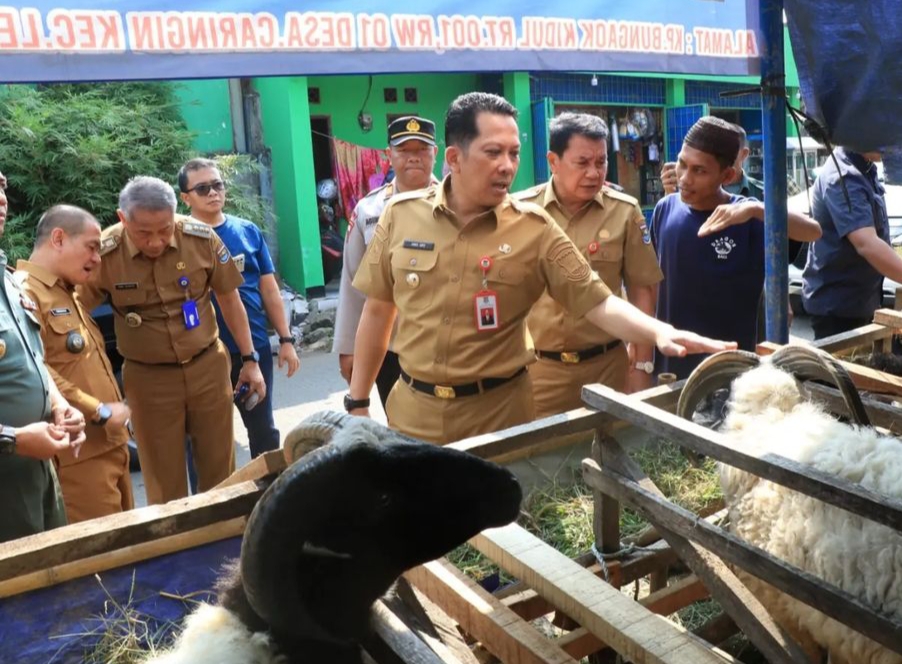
(326, 189)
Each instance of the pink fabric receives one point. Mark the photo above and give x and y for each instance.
(357, 171)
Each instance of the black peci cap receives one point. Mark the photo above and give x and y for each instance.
(411, 127)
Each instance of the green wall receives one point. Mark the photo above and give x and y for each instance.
(342, 97)
(205, 108)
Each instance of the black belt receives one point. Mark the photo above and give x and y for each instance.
(575, 357)
(454, 391)
(176, 364)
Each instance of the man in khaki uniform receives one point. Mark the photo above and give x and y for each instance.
(67, 253)
(159, 273)
(610, 231)
(461, 264)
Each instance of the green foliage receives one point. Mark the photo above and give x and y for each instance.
(79, 144)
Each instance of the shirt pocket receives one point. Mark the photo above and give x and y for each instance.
(126, 298)
(56, 339)
(416, 277)
(507, 279)
(607, 263)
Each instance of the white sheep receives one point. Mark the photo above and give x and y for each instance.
(332, 534)
(767, 408)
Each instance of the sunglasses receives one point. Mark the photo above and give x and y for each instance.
(205, 187)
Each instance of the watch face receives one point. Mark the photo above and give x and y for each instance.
(7, 445)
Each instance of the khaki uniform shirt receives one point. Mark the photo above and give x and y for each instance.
(75, 356)
(424, 261)
(611, 233)
(136, 284)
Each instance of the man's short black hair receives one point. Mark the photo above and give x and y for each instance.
(717, 137)
(566, 125)
(72, 219)
(190, 166)
(460, 120)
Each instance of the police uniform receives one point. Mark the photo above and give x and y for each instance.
(30, 498)
(176, 379)
(458, 380)
(97, 483)
(611, 233)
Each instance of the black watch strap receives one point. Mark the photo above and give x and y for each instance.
(288, 340)
(253, 356)
(354, 404)
(104, 413)
(7, 440)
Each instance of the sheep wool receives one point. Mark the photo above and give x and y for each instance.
(857, 555)
(215, 634)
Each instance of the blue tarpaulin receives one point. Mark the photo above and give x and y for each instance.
(849, 57)
(48, 40)
(59, 624)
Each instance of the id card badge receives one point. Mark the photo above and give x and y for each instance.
(189, 313)
(486, 310)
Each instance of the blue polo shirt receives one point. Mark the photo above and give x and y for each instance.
(837, 281)
(250, 253)
(711, 284)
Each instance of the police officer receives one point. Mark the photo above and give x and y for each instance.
(609, 230)
(159, 273)
(204, 192)
(66, 254)
(412, 151)
(461, 264)
(30, 497)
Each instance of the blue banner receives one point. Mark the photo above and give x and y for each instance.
(79, 40)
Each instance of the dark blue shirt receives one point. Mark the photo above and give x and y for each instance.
(250, 253)
(711, 284)
(837, 281)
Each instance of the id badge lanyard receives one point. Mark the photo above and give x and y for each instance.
(486, 301)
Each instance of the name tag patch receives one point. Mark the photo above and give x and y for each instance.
(239, 261)
(420, 245)
(126, 285)
(370, 221)
(62, 311)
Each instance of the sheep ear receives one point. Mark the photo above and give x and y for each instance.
(308, 549)
(314, 432)
(714, 373)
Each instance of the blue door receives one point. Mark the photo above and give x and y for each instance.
(542, 113)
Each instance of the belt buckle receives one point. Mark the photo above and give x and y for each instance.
(443, 392)
(570, 358)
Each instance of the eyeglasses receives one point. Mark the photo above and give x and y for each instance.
(204, 188)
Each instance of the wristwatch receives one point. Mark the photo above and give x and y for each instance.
(288, 340)
(354, 404)
(102, 415)
(253, 356)
(647, 367)
(7, 441)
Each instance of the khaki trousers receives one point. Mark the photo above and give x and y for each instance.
(443, 421)
(170, 402)
(557, 386)
(98, 486)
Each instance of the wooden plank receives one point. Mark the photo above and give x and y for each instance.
(802, 585)
(632, 630)
(52, 576)
(393, 640)
(890, 318)
(881, 414)
(268, 463)
(857, 338)
(580, 642)
(722, 583)
(752, 458)
(606, 512)
(97, 536)
(500, 630)
(549, 433)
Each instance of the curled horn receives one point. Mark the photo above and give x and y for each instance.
(316, 431)
(805, 362)
(713, 373)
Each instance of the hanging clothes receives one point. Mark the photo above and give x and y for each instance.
(357, 170)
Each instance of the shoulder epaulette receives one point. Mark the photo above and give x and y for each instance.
(530, 208)
(195, 228)
(532, 192)
(411, 195)
(109, 242)
(375, 191)
(620, 196)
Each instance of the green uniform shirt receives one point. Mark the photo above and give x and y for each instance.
(29, 490)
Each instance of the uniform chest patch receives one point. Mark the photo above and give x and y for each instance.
(126, 285)
(61, 311)
(574, 266)
(370, 221)
(239, 261)
(223, 254)
(420, 245)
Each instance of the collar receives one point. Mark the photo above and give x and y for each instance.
(551, 197)
(439, 204)
(857, 160)
(134, 251)
(39, 272)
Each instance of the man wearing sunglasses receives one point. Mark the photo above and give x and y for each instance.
(203, 191)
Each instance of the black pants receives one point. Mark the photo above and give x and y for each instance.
(388, 375)
(827, 326)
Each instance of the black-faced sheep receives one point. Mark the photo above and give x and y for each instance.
(767, 407)
(332, 534)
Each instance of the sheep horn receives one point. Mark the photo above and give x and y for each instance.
(713, 373)
(812, 363)
(316, 431)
